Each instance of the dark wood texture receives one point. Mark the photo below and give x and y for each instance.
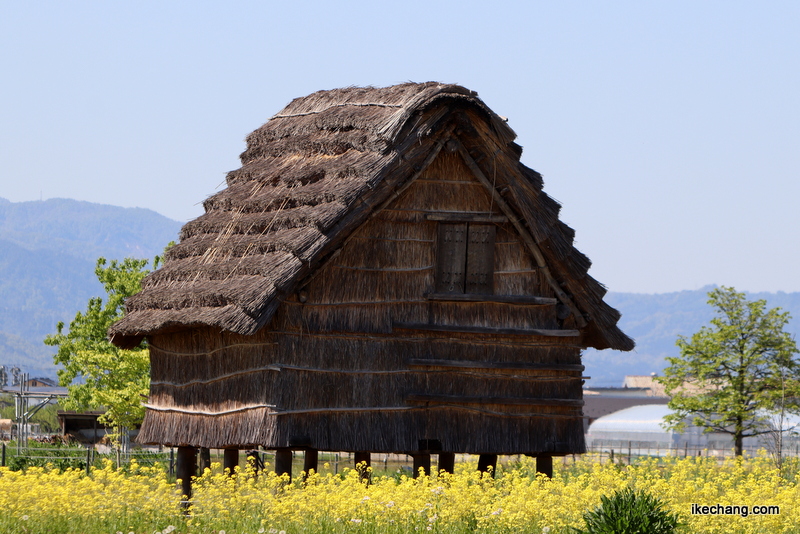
(480, 259)
(464, 364)
(204, 459)
(487, 463)
(254, 460)
(447, 462)
(451, 258)
(362, 461)
(311, 461)
(488, 330)
(466, 217)
(511, 401)
(544, 465)
(283, 462)
(422, 460)
(504, 299)
(186, 469)
(362, 457)
(230, 460)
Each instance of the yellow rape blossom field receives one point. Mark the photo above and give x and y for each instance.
(140, 500)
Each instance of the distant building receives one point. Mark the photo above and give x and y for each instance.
(640, 429)
(636, 390)
(41, 383)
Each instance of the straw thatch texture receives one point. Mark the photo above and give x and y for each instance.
(305, 307)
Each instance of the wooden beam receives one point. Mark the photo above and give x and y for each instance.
(467, 364)
(511, 401)
(502, 299)
(466, 217)
(527, 238)
(487, 330)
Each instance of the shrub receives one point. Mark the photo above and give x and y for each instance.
(630, 512)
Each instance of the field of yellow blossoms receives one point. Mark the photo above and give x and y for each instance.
(141, 500)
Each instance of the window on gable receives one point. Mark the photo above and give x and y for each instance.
(465, 259)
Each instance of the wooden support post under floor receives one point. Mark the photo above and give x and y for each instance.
(422, 460)
(204, 459)
(310, 461)
(186, 469)
(487, 461)
(254, 460)
(360, 458)
(447, 462)
(230, 461)
(283, 462)
(544, 464)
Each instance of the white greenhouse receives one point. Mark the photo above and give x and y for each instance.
(639, 429)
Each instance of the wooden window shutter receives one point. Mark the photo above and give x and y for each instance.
(451, 258)
(480, 259)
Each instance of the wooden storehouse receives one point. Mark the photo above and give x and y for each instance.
(382, 274)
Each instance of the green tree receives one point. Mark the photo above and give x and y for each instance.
(96, 373)
(732, 374)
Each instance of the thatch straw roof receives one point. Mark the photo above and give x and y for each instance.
(313, 174)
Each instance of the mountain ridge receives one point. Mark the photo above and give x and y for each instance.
(48, 252)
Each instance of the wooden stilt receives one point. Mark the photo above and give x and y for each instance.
(310, 461)
(447, 461)
(254, 460)
(230, 461)
(487, 461)
(360, 458)
(365, 457)
(186, 469)
(422, 460)
(544, 465)
(204, 459)
(283, 462)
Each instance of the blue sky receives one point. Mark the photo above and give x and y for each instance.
(669, 131)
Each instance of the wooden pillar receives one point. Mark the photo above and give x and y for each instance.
(283, 462)
(485, 461)
(204, 459)
(310, 461)
(186, 469)
(362, 458)
(230, 461)
(447, 462)
(423, 460)
(544, 464)
(365, 457)
(254, 460)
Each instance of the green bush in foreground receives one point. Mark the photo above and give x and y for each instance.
(630, 512)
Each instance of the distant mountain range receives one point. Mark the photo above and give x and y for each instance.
(48, 251)
(656, 321)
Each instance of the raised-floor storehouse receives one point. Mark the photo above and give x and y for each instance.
(382, 274)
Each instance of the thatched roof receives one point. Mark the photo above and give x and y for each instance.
(313, 174)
